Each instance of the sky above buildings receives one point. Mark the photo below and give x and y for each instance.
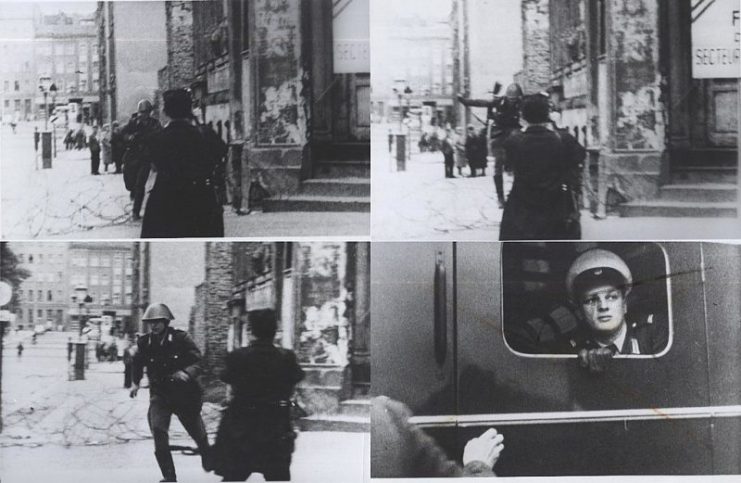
(495, 37)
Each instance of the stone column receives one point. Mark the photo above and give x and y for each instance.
(536, 47)
(280, 88)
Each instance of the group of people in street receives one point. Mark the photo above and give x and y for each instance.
(464, 150)
(173, 173)
(255, 434)
(171, 170)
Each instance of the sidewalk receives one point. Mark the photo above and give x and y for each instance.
(319, 457)
(67, 202)
(255, 225)
(91, 430)
(421, 204)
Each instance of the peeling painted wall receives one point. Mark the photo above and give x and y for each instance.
(639, 121)
(281, 117)
(536, 48)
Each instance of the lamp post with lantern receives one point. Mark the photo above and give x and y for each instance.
(81, 298)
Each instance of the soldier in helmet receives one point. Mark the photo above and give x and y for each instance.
(503, 118)
(255, 434)
(598, 283)
(173, 362)
(137, 135)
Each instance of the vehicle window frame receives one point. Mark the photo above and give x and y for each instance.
(669, 303)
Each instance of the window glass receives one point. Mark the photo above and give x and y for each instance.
(560, 298)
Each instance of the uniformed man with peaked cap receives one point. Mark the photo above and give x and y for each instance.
(599, 282)
(173, 362)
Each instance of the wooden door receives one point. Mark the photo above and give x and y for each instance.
(702, 113)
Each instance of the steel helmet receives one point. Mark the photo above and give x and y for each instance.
(598, 264)
(514, 91)
(157, 312)
(144, 105)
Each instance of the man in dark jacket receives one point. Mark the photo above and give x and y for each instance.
(94, 146)
(138, 134)
(547, 171)
(117, 147)
(255, 434)
(183, 201)
(173, 362)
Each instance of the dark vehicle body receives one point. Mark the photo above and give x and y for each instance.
(439, 347)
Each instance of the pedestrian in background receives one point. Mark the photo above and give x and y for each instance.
(117, 147)
(69, 349)
(173, 363)
(460, 150)
(448, 151)
(128, 359)
(105, 141)
(472, 149)
(94, 146)
(255, 433)
(80, 139)
(139, 134)
(20, 349)
(543, 203)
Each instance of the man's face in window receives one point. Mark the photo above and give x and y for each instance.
(604, 309)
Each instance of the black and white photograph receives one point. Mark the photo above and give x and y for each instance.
(555, 359)
(555, 119)
(250, 362)
(175, 119)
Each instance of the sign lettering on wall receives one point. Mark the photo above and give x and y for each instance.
(351, 34)
(716, 39)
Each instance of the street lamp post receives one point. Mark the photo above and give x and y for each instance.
(44, 86)
(53, 90)
(81, 298)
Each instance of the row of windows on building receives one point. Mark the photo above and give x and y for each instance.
(63, 86)
(40, 315)
(99, 297)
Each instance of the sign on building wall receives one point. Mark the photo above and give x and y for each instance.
(716, 39)
(351, 34)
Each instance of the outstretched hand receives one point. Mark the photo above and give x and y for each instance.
(134, 391)
(595, 360)
(486, 448)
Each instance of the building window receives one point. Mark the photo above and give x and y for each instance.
(128, 299)
(16, 85)
(40, 295)
(116, 298)
(49, 296)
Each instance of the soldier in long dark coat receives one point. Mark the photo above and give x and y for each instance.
(547, 168)
(255, 434)
(183, 201)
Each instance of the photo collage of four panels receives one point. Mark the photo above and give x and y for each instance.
(344, 240)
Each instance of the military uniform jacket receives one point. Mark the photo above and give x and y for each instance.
(162, 357)
(644, 338)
